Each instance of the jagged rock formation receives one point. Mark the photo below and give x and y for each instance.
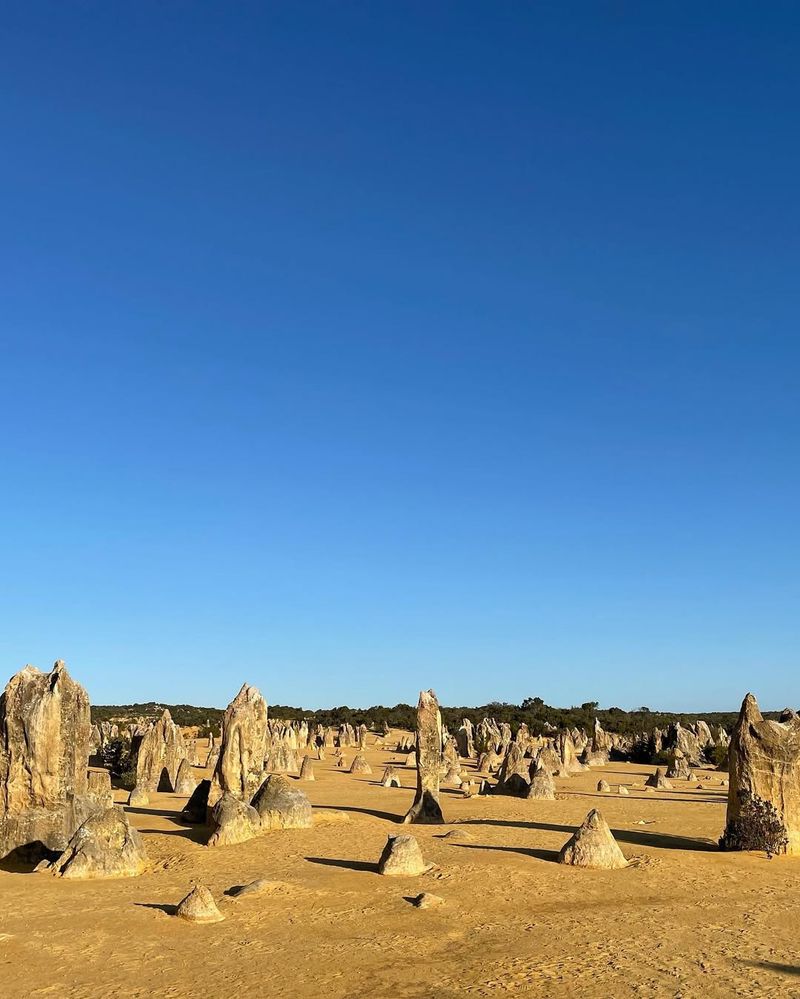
(593, 845)
(44, 755)
(282, 759)
(678, 767)
(426, 807)
(542, 786)
(105, 846)
(597, 752)
(658, 780)
(240, 768)
(764, 788)
(390, 778)
(282, 805)
(199, 907)
(159, 754)
(402, 856)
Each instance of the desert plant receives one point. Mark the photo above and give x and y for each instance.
(759, 826)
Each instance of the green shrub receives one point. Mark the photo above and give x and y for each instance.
(758, 827)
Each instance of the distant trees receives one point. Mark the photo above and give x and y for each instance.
(533, 712)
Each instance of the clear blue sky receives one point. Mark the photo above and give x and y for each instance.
(351, 348)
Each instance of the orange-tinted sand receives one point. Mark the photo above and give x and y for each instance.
(683, 920)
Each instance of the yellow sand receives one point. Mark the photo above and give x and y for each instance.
(683, 920)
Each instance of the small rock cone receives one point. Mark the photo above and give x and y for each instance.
(307, 769)
(402, 856)
(592, 845)
(360, 765)
(199, 907)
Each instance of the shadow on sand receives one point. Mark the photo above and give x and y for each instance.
(549, 855)
(780, 969)
(388, 816)
(350, 865)
(169, 909)
(663, 841)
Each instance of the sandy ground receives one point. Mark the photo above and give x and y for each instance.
(682, 920)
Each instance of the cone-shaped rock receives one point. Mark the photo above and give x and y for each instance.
(282, 805)
(426, 807)
(105, 846)
(185, 782)
(542, 785)
(603, 786)
(307, 769)
(199, 907)
(592, 845)
(360, 765)
(402, 856)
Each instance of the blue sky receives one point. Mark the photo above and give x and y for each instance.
(350, 349)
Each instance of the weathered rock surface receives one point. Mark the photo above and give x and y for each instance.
(282, 805)
(159, 753)
(402, 856)
(307, 769)
(45, 731)
(764, 787)
(105, 846)
(542, 786)
(360, 765)
(593, 845)
(199, 907)
(240, 767)
(185, 781)
(426, 807)
(390, 778)
(427, 900)
(233, 821)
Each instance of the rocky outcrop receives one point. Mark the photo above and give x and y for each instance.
(240, 767)
(426, 807)
(764, 789)
(44, 754)
(185, 780)
(159, 754)
(105, 846)
(542, 785)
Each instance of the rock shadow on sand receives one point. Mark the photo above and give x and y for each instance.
(350, 865)
(661, 841)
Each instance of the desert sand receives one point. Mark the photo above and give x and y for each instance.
(682, 920)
